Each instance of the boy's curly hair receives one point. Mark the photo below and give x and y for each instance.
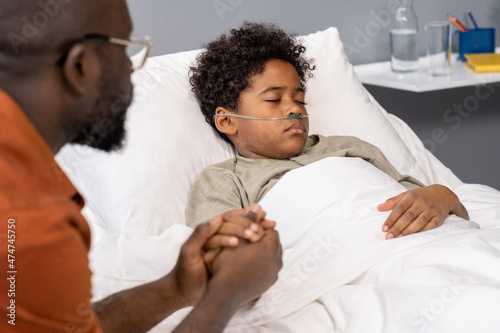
(224, 69)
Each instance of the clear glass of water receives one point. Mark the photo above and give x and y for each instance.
(438, 40)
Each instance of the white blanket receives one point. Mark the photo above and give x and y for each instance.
(341, 275)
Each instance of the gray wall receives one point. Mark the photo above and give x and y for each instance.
(466, 139)
(471, 150)
(183, 25)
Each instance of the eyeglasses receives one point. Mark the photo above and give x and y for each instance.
(138, 47)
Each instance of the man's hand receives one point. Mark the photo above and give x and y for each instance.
(190, 273)
(139, 309)
(241, 274)
(420, 209)
(198, 252)
(246, 271)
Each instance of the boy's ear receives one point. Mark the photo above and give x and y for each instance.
(225, 125)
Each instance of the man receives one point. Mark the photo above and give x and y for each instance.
(62, 79)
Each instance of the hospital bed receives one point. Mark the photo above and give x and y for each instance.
(355, 282)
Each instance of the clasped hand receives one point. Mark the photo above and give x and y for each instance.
(238, 252)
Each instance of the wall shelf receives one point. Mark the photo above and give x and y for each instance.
(380, 74)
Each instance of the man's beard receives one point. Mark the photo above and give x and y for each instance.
(107, 130)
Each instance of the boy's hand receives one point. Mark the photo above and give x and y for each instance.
(420, 209)
(246, 224)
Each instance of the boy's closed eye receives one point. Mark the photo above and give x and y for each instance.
(279, 100)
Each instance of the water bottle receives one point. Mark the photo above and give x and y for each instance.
(404, 38)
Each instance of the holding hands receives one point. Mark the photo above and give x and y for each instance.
(240, 249)
(226, 263)
(237, 226)
(420, 210)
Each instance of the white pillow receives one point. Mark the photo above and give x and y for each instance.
(143, 188)
(340, 105)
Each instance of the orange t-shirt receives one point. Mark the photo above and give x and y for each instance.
(45, 281)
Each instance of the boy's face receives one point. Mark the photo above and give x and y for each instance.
(276, 92)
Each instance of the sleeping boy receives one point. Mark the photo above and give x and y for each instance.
(251, 87)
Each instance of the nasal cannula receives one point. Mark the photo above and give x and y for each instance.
(290, 116)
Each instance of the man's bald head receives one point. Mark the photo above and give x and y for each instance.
(33, 32)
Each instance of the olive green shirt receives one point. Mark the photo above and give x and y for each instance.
(239, 182)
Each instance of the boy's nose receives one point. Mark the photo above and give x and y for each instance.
(293, 109)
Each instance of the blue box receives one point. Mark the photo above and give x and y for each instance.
(476, 41)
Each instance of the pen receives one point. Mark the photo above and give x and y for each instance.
(457, 23)
(472, 19)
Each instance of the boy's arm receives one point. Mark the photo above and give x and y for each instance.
(420, 209)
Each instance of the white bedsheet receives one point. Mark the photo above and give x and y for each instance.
(340, 274)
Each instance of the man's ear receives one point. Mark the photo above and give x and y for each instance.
(81, 70)
(226, 125)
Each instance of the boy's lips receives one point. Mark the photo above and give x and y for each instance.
(296, 127)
